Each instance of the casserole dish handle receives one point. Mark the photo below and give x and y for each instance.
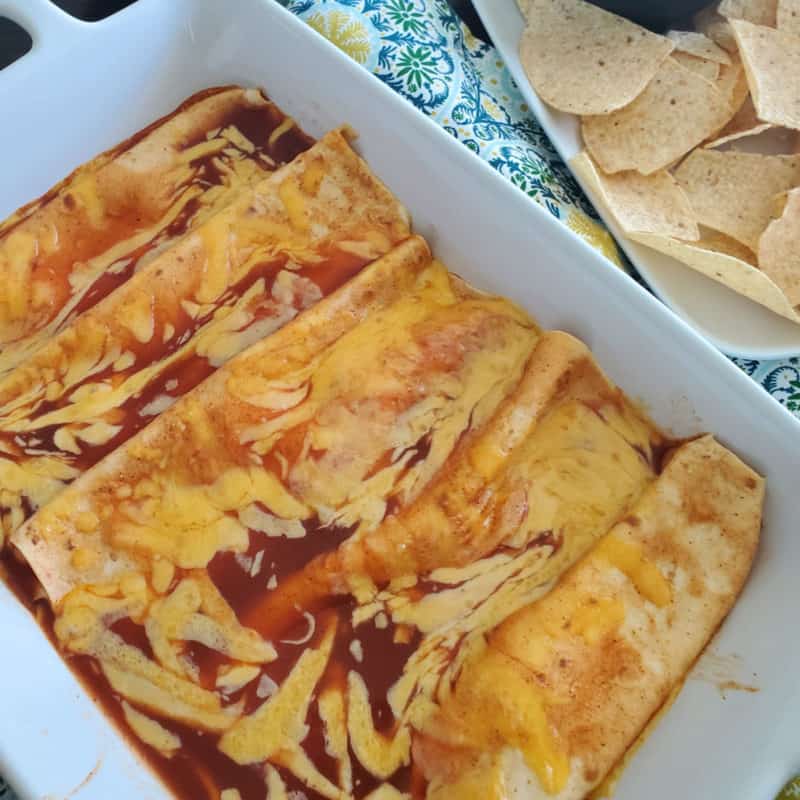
(47, 25)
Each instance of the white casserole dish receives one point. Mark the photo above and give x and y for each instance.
(738, 326)
(84, 87)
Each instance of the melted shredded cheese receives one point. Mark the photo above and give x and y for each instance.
(279, 723)
(333, 715)
(381, 756)
(151, 732)
(628, 558)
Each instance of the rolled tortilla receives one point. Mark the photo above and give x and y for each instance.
(67, 250)
(269, 442)
(565, 685)
(243, 274)
(524, 474)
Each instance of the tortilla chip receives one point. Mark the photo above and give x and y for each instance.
(789, 16)
(779, 204)
(721, 243)
(779, 249)
(772, 61)
(783, 141)
(759, 12)
(744, 123)
(733, 192)
(740, 276)
(698, 45)
(716, 27)
(677, 111)
(702, 66)
(732, 82)
(584, 60)
(640, 203)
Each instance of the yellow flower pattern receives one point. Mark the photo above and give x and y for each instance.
(348, 34)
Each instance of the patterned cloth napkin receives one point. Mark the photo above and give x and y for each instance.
(421, 49)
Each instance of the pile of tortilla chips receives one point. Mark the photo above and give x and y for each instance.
(692, 139)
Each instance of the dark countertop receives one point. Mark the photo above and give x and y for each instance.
(465, 10)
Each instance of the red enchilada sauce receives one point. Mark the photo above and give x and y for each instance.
(133, 211)
(199, 769)
(267, 589)
(175, 380)
(260, 587)
(271, 586)
(263, 586)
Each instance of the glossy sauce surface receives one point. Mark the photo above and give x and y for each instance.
(199, 770)
(132, 214)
